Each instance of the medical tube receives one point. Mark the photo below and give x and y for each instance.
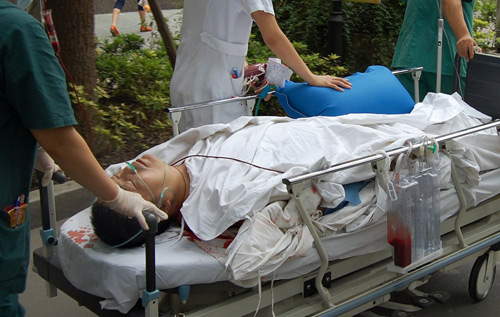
(51, 30)
(431, 179)
(421, 220)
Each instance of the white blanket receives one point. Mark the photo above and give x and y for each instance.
(224, 191)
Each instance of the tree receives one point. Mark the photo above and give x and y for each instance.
(74, 24)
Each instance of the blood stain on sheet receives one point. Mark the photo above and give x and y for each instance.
(314, 190)
(80, 236)
(191, 236)
(228, 239)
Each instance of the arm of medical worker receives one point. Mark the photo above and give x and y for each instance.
(66, 146)
(277, 41)
(453, 12)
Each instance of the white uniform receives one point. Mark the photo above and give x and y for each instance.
(214, 41)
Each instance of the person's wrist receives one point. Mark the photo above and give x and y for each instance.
(116, 197)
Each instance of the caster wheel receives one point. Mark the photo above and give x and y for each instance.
(481, 278)
(440, 296)
(401, 313)
(422, 301)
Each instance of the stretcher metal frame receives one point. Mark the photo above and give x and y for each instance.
(337, 288)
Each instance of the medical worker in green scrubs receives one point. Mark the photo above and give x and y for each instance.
(417, 42)
(34, 107)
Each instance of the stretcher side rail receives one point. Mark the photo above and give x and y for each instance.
(295, 186)
(175, 113)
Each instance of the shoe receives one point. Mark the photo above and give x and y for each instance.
(146, 28)
(114, 31)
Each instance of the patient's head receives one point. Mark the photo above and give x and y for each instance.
(114, 229)
(155, 181)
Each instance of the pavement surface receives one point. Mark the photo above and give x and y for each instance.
(70, 198)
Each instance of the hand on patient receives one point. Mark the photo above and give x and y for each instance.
(132, 204)
(334, 82)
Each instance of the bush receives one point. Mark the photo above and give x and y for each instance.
(484, 24)
(370, 31)
(133, 92)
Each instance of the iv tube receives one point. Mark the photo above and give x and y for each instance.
(51, 30)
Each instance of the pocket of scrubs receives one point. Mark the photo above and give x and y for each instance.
(237, 85)
(232, 51)
(14, 254)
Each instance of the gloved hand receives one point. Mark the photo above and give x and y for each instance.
(132, 204)
(45, 164)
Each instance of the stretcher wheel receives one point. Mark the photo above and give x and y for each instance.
(481, 278)
(401, 313)
(422, 301)
(440, 296)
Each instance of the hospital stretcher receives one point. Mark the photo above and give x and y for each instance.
(342, 286)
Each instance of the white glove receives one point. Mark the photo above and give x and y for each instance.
(45, 164)
(132, 204)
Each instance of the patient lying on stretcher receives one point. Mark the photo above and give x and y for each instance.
(218, 175)
(388, 97)
(230, 172)
(164, 185)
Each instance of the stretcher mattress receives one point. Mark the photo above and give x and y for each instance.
(118, 275)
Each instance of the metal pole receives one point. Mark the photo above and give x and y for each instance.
(439, 47)
(336, 37)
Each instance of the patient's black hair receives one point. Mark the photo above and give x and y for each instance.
(114, 228)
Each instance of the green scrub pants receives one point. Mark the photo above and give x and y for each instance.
(10, 306)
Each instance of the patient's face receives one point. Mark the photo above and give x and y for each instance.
(152, 171)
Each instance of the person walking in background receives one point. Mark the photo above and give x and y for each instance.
(35, 108)
(117, 9)
(417, 42)
(211, 57)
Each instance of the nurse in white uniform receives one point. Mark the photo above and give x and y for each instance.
(211, 57)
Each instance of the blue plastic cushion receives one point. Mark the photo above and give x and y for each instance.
(377, 90)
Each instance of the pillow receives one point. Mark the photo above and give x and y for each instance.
(377, 90)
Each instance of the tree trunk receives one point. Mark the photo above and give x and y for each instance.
(74, 24)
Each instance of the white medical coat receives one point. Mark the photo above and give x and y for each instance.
(214, 41)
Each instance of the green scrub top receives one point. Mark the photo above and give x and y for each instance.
(417, 42)
(33, 95)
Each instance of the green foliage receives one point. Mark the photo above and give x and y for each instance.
(305, 21)
(134, 83)
(370, 31)
(484, 24)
